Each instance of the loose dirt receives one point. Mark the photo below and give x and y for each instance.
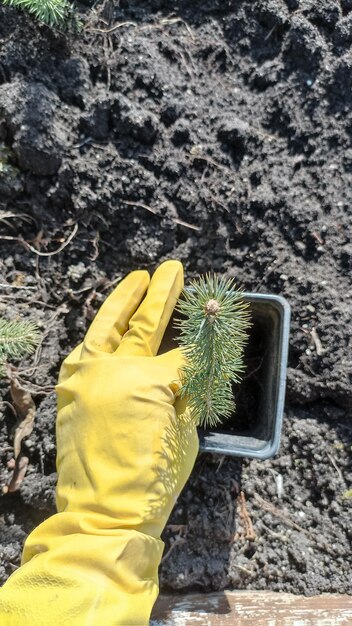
(218, 133)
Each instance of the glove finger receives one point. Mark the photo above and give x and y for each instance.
(70, 363)
(111, 321)
(171, 365)
(148, 324)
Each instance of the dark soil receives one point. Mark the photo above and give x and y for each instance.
(218, 133)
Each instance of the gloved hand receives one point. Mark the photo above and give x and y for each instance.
(125, 451)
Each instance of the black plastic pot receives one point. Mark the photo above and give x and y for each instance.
(254, 430)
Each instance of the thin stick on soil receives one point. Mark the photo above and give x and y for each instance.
(6, 215)
(270, 508)
(37, 252)
(244, 515)
(108, 31)
(176, 220)
(162, 24)
(318, 238)
(178, 541)
(194, 156)
(142, 206)
(59, 249)
(245, 570)
(333, 462)
(318, 345)
(8, 286)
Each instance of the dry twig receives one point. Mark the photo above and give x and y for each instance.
(318, 238)
(178, 541)
(108, 31)
(245, 518)
(285, 519)
(333, 462)
(176, 220)
(37, 252)
(245, 570)
(194, 155)
(59, 249)
(318, 345)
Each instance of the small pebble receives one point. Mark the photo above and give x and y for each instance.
(300, 245)
(310, 308)
(284, 277)
(279, 485)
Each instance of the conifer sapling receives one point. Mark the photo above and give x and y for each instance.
(213, 334)
(51, 12)
(17, 338)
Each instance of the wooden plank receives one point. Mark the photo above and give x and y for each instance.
(252, 608)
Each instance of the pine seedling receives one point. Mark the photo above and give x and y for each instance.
(213, 334)
(50, 12)
(17, 339)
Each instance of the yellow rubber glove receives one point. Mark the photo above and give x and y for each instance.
(125, 451)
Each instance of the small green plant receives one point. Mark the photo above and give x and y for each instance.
(213, 334)
(17, 338)
(50, 12)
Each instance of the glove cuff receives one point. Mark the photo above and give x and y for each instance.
(110, 578)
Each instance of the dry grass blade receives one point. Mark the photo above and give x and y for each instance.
(6, 215)
(18, 475)
(25, 409)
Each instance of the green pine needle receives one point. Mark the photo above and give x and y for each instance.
(213, 334)
(17, 338)
(51, 12)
